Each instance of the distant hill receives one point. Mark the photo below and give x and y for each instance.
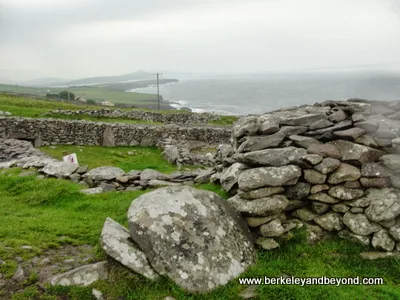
(138, 75)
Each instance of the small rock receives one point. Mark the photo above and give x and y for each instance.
(342, 208)
(25, 247)
(107, 187)
(374, 170)
(97, 294)
(359, 239)
(314, 177)
(343, 193)
(382, 241)
(352, 133)
(92, 191)
(375, 182)
(122, 179)
(338, 116)
(267, 243)
(19, 275)
(344, 172)
(82, 170)
(368, 127)
(331, 221)
(313, 159)
(359, 224)
(319, 188)
(323, 197)
(303, 141)
(298, 191)
(272, 229)
(258, 221)
(260, 193)
(356, 210)
(352, 185)
(319, 207)
(320, 124)
(305, 214)
(327, 165)
(324, 150)
(379, 255)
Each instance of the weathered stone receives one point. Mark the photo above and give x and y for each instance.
(320, 124)
(133, 188)
(358, 117)
(383, 143)
(305, 120)
(294, 204)
(327, 165)
(319, 188)
(192, 236)
(267, 243)
(292, 130)
(149, 174)
(314, 177)
(387, 224)
(298, 191)
(375, 182)
(272, 157)
(268, 176)
(314, 233)
(115, 241)
(323, 197)
(331, 221)
(268, 127)
(260, 193)
(361, 202)
(325, 150)
(258, 221)
(305, 214)
(343, 193)
(19, 275)
(394, 231)
(122, 179)
(59, 169)
(171, 154)
(385, 132)
(355, 238)
(82, 170)
(261, 142)
(352, 133)
(107, 187)
(391, 161)
(303, 141)
(204, 176)
(356, 210)
(395, 181)
(368, 127)
(259, 207)
(367, 140)
(313, 159)
(82, 276)
(320, 207)
(382, 241)
(354, 152)
(337, 116)
(384, 205)
(379, 255)
(352, 185)
(75, 178)
(342, 208)
(344, 172)
(327, 133)
(108, 137)
(104, 173)
(229, 178)
(359, 224)
(246, 126)
(374, 170)
(272, 229)
(158, 183)
(92, 191)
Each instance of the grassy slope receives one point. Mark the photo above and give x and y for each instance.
(31, 214)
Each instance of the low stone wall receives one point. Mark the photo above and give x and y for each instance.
(54, 131)
(334, 166)
(175, 118)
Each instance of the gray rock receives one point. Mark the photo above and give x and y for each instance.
(108, 137)
(324, 150)
(204, 176)
(133, 174)
(361, 202)
(246, 126)
(358, 117)
(92, 191)
(327, 165)
(75, 178)
(305, 214)
(267, 243)
(374, 170)
(19, 275)
(314, 233)
(319, 188)
(104, 173)
(338, 116)
(352, 185)
(331, 221)
(259, 207)
(158, 183)
(298, 191)
(258, 221)
(27, 173)
(313, 159)
(272, 229)
(323, 197)
(229, 178)
(260, 193)
(59, 169)
(268, 127)
(368, 127)
(359, 224)
(170, 154)
(356, 210)
(191, 236)
(82, 170)
(314, 177)
(115, 241)
(391, 161)
(387, 224)
(395, 181)
(394, 231)
(379, 255)
(272, 157)
(122, 179)
(295, 204)
(327, 132)
(292, 130)
(319, 207)
(97, 294)
(375, 182)
(149, 174)
(107, 187)
(352, 133)
(320, 124)
(303, 141)
(268, 176)
(367, 140)
(82, 276)
(385, 132)
(343, 193)
(355, 238)
(382, 241)
(383, 143)
(133, 188)
(344, 172)
(261, 142)
(384, 205)
(342, 208)
(354, 152)
(305, 120)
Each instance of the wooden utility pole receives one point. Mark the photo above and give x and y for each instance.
(158, 89)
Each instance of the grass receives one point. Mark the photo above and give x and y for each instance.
(96, 156)
(40, 212)
(224, 121)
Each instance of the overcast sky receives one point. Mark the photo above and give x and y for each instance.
(77, 38)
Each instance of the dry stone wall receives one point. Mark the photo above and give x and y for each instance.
(175, 118)
(54, 131)
(334, 166)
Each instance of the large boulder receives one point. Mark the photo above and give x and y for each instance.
(104, 173)
(116, 242)
(268, 176)
(354, 152)
(192, 236)
(59, 169)
(272, 157)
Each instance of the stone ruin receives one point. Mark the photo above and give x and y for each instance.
(334, 166)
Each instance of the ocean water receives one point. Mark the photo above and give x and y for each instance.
(242, 95)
